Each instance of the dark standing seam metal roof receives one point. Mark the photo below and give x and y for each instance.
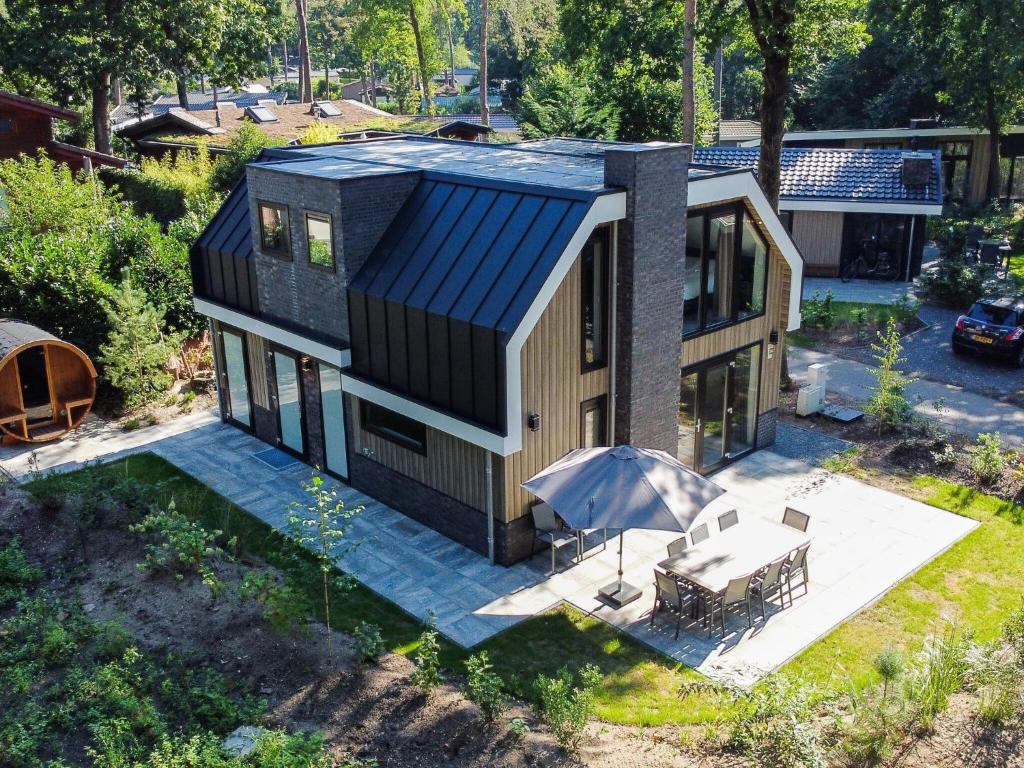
(455, 274)
(856, 175)
(222, 257)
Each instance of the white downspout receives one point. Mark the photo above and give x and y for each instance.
(612, 325)
(489, 504)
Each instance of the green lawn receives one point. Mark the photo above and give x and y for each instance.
(878, 316)
(1017, 266)
(976, 583)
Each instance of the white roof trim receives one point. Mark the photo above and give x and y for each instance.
(705, 190)
(341, 358)
(850, 206)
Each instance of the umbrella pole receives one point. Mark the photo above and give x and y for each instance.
(621, 532)
(619, 593)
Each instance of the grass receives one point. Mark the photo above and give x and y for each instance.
(1017, 266)
(878, 316)
(975, 584)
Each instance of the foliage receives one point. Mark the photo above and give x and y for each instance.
(819, 312)
(428, 674)
(566, 706)
(939, 673)
(889, 404)
(484, 687)
(136, 354)
(561, 102)
(167, 188)
(244, 147)
(182, 546)
(774, 727)
(955, 283)
(988, 457)
(285, 606)
(368, 641)
(518, 729)
(905, 308)
(16, 573)
(843, 462)
(320, 524)
(319, 132)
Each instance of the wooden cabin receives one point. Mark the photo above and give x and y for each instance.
(47, 386)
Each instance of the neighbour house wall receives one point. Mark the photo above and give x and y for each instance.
(30, 132)
(819, 236)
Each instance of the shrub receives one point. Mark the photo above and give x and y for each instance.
(905, 308)
(518, 729)
(818, 312)
(565, 707)
(889, 404)
(182, 545)
(285, 606)
(428, 675)
(244, 147)
(774, 726)
(890, 665)
(485, 688)
(940, 671)
(16, 573)
(369, 643)
(559, 102)
(988, 459)
(319, 132)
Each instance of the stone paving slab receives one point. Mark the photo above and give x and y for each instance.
(864, 541)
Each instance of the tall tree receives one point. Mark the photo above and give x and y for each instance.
(191, 31)
(305, 65)
(689, 86)
(485, 20)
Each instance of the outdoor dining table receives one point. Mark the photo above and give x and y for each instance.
(735, 552)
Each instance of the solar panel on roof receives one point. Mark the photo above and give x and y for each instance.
(327, 109)
(261, 114)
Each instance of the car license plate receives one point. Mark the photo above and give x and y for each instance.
(982, 339)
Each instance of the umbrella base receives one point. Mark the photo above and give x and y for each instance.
(619, 597)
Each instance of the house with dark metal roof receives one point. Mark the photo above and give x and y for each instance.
(435, 321)
(26, 126)
(844, 204)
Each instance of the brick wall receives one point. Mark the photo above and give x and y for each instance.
(651, 247)
(766, 427)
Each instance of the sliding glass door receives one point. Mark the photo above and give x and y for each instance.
(718, 409)
(333, 415)
(235, 379)
(289, 402)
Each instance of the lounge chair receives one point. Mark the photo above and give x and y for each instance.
(669, 595)
(699, 534)
(736, 592)
(768, 583)
(796, 566)
(548, 529)
(795, 519)
(728, 519)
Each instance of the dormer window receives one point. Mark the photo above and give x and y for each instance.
(319, 239)
(274, 230)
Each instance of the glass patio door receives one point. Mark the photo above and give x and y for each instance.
(714, 416)
(289, 402)
(236, 379)
(332, 413)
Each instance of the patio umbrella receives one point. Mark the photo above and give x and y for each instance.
(623, 487)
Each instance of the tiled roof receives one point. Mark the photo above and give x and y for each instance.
(499, 121)
(197, 102)
(738, 130)
(856, 175)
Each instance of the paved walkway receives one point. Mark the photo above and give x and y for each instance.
(962, 411)
(864, 541)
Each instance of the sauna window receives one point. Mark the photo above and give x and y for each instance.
(394, 427)
(274, 229)
(595, 299)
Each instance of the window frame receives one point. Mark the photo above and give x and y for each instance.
(280, 253)
(392, 436)
(327, 219)
(739, 210)
(11, 123)
(602, 233)
(600, 404)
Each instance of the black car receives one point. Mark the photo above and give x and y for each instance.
(995, 326)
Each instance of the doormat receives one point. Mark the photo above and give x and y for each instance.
(275, 459)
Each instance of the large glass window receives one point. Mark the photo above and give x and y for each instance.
(237, 375)
(289, 401)
(725, 270)
(274, 229)
(1011, 177)
(319, 239)
(956, 168)
(394, 426)
(593, 423)
(595, 294)
(333, 414)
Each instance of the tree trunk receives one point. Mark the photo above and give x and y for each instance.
(689, 109)
(270, 63)
(182, 88)
(719, 71)
(773, 124)
(284, 56)
(373, 84)
(305, 66)
(362, 84)
(421, 58)
(485, 108)
(451, 53)
(101, 114)
(992, 123)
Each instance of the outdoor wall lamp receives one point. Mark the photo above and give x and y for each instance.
(533, 422)
(773, 337)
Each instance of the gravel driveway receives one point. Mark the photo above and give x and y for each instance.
(930, 356)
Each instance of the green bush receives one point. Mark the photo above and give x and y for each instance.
(244, 147)
(428, 675)
(988, 458)
(889, 404)
(368, 641)
(566, 706)
(285, 606)
(941, 670)
(182, 546)
(16, 573)
(774, 726)
(484, 687)
(818, 312)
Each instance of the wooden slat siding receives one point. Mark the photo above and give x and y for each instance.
(259, 389)
(819, 236)
(452, 466)
(717, 343)
(553, 387)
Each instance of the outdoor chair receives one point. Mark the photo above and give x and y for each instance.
(728, 519)
(677, 547)
(548, 529)
(736, 592)
(990, 255)
(768, 583)
(796, 519)
(971, 241)
(669, 595)
(796, 566)
(699, 534)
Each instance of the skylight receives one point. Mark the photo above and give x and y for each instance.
(327, 109)
(261, 114)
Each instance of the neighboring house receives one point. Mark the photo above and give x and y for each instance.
(435, 321)
(733, 133)
(965, 153)
(26, 126)
(499, 121)
(198, 101)
(839, 204)
(464, 76)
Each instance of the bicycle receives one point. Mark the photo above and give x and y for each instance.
(883, 268)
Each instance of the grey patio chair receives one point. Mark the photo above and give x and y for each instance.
(670, 596)
(795, 566)
(728, 519)
(549, 530)
(795, 519)
(769, 583)
(736, 592)
(699, 534)
(677, 547)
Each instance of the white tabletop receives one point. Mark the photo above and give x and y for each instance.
(735, 552)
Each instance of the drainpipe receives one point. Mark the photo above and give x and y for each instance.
(910, 246)
(613, 267)
(489, 505)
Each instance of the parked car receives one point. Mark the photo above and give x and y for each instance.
(994, 325)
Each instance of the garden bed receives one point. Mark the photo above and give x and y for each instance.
(835, 326)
